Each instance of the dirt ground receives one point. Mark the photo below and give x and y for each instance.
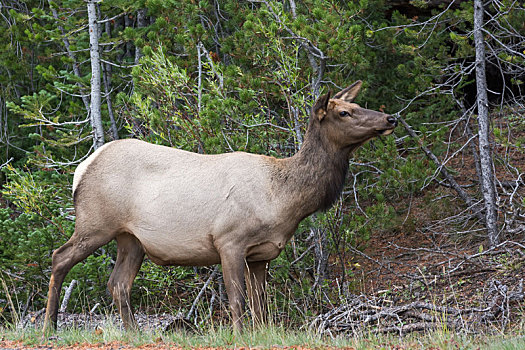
(10, 345)
(16, 345)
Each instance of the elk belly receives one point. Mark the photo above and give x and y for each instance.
(180, 250)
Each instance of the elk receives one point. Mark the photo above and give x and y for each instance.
(235, 209)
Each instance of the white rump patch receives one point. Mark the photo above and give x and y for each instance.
(82, 167)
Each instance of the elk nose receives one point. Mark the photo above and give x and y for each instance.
(391, 120)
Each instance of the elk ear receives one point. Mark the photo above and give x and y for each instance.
(321, 105)
(350, 93)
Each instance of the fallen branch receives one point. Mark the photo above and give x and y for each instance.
(67, 295)
(201, 292)
(362, 314)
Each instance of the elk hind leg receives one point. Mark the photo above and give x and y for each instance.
(130, 255)
(79, 247)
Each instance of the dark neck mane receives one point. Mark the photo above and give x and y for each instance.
(314, 177)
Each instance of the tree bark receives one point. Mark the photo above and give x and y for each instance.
(106, 75)
(141, 23)
(96, 118)
(485, 154)
(107, 88)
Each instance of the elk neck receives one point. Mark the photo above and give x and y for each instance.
(314, 177)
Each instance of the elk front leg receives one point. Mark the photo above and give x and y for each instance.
(233, 274)
(255, 275)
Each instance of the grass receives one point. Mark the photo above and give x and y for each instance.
(275, 336)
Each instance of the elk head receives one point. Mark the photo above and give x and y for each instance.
(346, 124)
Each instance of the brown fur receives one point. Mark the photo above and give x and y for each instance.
(182, 208)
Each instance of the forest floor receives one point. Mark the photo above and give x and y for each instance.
(422, 282)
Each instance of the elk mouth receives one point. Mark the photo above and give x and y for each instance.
(385, 131)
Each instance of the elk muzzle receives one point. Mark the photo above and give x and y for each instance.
(391, 123)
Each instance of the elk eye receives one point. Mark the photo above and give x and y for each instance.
(344, 114)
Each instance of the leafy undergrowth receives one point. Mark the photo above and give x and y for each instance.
(112, 337)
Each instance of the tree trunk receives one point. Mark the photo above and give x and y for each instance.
(141, 23)
(485, 154)
(107, 88)
(106, 75)
(322, 254)
(96, 118)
